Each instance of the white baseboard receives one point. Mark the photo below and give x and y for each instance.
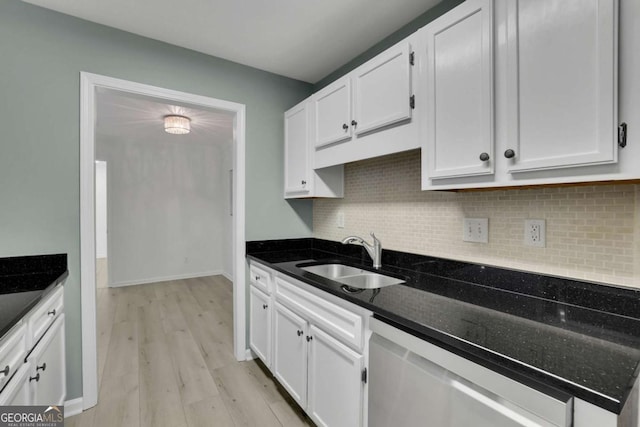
(167, 278)
(72, 407)
(250, 355)
(228, 276)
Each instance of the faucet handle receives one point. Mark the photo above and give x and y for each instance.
(375, 239)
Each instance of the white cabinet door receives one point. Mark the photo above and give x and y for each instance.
(48, 370)
(562, 83)
(290, 353)
(335, 386)
(382, 90)
(458, 131)
(332, 107)
(260, 324)
(16, 393)
(296, 154)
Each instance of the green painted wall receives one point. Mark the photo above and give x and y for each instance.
(43, 53)
(422, 20)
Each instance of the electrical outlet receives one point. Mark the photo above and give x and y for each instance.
(475, 230)
(535, 232)
(340, 219)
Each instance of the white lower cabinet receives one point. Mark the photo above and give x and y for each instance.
(319, 345)
(41, 378)
(290, 353)
(260, 324)
(335, 375)
(47, 373)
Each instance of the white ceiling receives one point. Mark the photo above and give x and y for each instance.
(137, 118)
(301, 39)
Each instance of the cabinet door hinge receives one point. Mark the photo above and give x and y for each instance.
(364, 375)
(412, 58)
(622, 135)
(412, 102)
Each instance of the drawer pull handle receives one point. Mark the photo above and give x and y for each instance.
(257, 278)
(300, 333)
(264, 306)
(6, 371)
(36, 378)
(52, 312)
(43, 367)
(345, 126)
(309, 338)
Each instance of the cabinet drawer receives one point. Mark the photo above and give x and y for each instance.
(260, 278)
(340, 323)
(43, 316)
(17, 391)
(13, 349)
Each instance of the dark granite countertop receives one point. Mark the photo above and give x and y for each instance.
(563, 337)
(24, 281)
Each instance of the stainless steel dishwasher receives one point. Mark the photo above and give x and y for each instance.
(415, 383)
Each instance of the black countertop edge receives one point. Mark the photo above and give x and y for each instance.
(21, 311)
(532, 377)
(604, 297)
(30, 264)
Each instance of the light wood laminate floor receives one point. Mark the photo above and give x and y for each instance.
(165, 358)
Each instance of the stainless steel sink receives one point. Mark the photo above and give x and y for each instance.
(352, 277)
(332, 271)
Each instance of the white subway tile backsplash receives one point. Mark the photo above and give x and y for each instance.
(593, 232)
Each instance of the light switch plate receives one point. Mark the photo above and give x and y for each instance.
(535, 232)
(475, 230)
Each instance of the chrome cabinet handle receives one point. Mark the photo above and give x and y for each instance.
(309, 338)
(36, 378)
(43, 367)
(509, 154)
(345, 126)
(354, 123)
(257, 277)
(264, 306)
(304, 182)
(484, 157)
(300, 333)
(6, 371)
(52, 312)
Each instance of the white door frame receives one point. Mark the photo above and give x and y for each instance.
(88, 114)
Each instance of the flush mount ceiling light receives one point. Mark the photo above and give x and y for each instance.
(177, 125)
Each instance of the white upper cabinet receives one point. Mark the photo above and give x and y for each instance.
(300, 179)
(525, 92)
(382, 90)
(561, 83)
(333, 113)
(458, 129)
(369, 112)
(296, 167)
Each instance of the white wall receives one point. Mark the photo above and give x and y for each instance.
(101, 209)
(167, 208)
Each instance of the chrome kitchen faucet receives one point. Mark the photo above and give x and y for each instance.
(374, 251)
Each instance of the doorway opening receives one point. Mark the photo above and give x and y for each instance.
(91, 87)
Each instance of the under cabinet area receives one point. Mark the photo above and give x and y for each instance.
(316, 347)
(34, 356)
